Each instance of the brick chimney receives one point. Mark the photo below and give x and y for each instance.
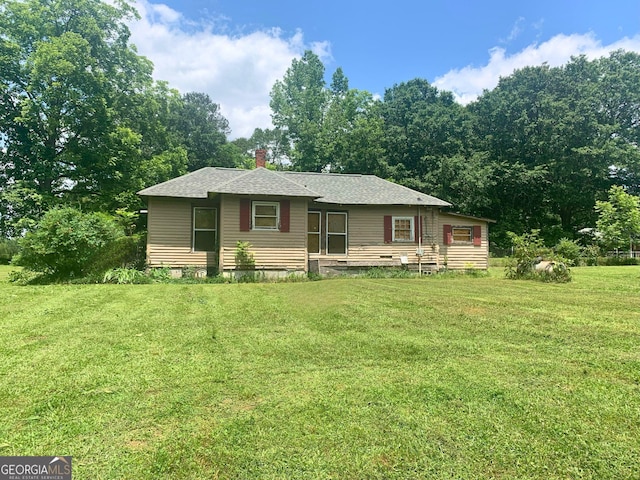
(261, 158)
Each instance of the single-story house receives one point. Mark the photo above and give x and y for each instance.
(298, 222)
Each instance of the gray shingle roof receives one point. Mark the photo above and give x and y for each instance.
(265, 182)
(324, 187)
(196, 184)
(353, 189)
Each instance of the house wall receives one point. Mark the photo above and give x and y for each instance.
(465, 255)
(273, 250)
(169, 226)
(170, 237)
(365, 232)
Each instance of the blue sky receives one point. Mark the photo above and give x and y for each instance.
(235, 50)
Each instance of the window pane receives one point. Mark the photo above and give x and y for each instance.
(205, 218)
(336, 223)
(265, 222)
(204, 241)
(461, 234)
(267, 210)
(314, 221)
(313, 243)
(402, 229)
(337, 244)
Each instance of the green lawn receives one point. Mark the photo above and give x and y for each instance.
(447, 377)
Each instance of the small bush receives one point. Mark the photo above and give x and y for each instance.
(590, 255)
(559, 273)
(125, 275)
(243, 256)
(528, 250)
(162, 274)
(66, 243)
(569, 250)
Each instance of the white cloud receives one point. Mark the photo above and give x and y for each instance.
(237, 71)
(516, 30)
(163, 13)
(468, 83)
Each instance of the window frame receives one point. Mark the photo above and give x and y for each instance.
(412, 231)
(469, 240)
(195, 229)
(318, 233)
(256, 203)
(345, 234)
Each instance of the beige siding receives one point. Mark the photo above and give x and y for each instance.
(169, 227)
(273, 250)
(365, 232)
(460, 256)
(170, 237)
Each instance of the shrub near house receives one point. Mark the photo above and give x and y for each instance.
(67, 243)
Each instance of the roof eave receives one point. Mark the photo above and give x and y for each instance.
(270, 194)
(381, 204)
(462, 215)
(168, 195)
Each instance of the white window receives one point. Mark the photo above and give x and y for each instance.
(461, 234)
(205, 221)
(403, 229)
(313, 232)
(265, 215)
(336, 233)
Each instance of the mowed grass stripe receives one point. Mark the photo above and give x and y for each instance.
(454, 377)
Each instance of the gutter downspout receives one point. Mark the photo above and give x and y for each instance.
(419, 226)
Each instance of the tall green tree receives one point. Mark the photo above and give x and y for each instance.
(618, 113)
(351, 136)
(355, 135)
(336, 129)
(429, 144)
(298, 104)
(541, 128)
(72, 93)
(146, 152)
(619, 219)
(201, 129)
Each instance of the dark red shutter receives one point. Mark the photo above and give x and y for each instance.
(477, 235)
(285, 209)
(388, 229)
(447, 237)
(245, 214)
(417, 228)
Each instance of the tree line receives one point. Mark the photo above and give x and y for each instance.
(536, 152)
(83, 124)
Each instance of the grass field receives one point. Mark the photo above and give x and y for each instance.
(449, 377)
